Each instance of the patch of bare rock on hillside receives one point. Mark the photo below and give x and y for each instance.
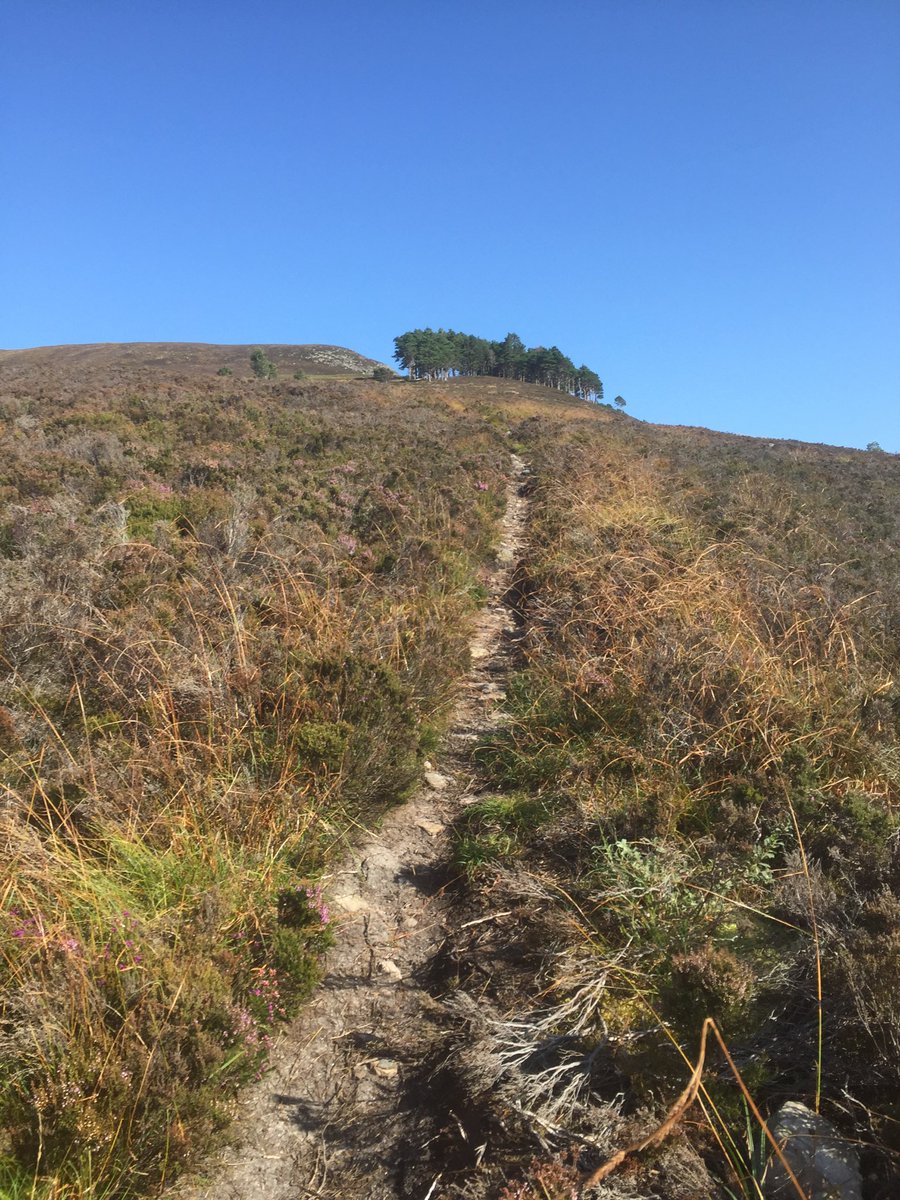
(357, 1103)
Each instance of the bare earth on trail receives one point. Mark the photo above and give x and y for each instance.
(345, 1109)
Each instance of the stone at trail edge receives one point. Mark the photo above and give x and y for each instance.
(825, 1164)
(388, 967)
(436, 781)
(432, 827)
(350, 903)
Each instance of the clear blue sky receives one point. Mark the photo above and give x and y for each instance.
(697, 198)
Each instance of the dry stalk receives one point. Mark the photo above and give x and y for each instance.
(681, 1106)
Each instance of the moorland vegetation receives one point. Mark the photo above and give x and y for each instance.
(233, 614)
(695, 793)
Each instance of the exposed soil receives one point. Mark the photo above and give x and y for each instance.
(355, 1103)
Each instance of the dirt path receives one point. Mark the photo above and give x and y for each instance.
(345, 1109)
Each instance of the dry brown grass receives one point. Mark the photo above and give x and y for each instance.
(709, 704)
(232, 617)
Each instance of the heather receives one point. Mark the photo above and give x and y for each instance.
(233, 612)
(696, 787)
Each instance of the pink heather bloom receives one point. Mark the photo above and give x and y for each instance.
(314, 896)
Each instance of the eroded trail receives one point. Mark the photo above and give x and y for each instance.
(344, 1110)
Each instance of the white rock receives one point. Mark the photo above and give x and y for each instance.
(351, 903)
(436, 781)
(825, 1164)
(388, 967)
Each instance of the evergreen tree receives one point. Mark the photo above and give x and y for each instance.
(510, 357)
(261, 364)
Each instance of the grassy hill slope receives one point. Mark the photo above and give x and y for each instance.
(114, 362)
(695, 807)
(232, 617)
(233, 612)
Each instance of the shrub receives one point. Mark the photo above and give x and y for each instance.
(261, 364)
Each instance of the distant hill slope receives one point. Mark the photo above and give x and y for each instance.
(184, 358)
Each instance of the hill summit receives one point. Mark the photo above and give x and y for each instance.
(184, 358)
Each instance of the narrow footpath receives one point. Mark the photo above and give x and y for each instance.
(344, 1110)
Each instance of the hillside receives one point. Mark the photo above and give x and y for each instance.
(236, 619)
(110, 362)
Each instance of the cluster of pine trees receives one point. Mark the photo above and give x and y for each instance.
(442, 353)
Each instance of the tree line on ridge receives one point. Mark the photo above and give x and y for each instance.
(444, 353)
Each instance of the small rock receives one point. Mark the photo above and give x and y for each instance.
(825, 1164)
(388, 967)
(436, 781)
(427, 765)
(479, 652)
(409, 922)
(432, 827)
(350, 903)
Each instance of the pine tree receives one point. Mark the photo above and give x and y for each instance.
(261, 364)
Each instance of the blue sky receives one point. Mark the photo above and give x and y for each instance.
(697, 198)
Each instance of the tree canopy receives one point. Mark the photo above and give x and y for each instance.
(444, 353)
